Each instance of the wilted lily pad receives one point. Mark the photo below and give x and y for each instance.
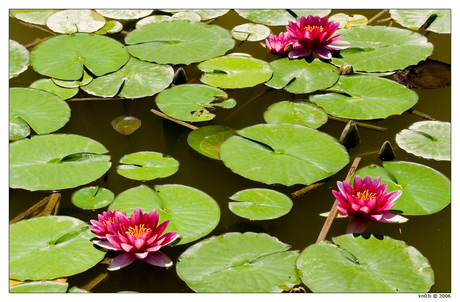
(75, 20)
(19, 59)
(64, 56)
(425, 190)
(125, 14)
(298, 112)
(110, 27)
(178, 42)
(426, 74)
(250, 32)
(283, 153)
(34, 16)
(190, 102)
(40, 287)
(428, 139)
(260, 204)
(235, 71)
(208, 139)
(147, 166)
(347, 21)
(56, 161)
(235, 262)
(301, 76)
(382, 48)
(51, 247)
(193, 213)
(136, 79)
(438, 20)
(91, 198)
(278, 16)
(126, 124)
(50, 86)
(365, 98)
(364, 264)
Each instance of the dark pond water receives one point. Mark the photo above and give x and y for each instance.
(430, 234)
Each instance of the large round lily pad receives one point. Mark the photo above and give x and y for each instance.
(51, 247)
(19, 59)
(283, 153)
(178, 42)
(91, 198)
(364, 264)
(428, 139)
(193, 213)
(297, 112)
(438, 19)
(278, 16)
(382, 48)
(75, 20)
(235, 71)
(64, 56)
(147, 166)
(301, 76)
(34, 16)
(56, 161)
(208, 139)
(425, 190)
(363, 97)
(235, 262)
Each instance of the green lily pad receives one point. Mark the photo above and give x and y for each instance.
(206, 14)
(347, 21)
(51, 247)
(301, 76)
(178, 42)
(235, 71)
(425, 190)
(56, 161)
(126, 125)
(283, 153)
(260, 204)
(382, 48)
(191, 16)
(125, 14)
(193, 213)
(208, 139)
(19, 59)
(85, 80)
(110, 27)
(250, 32)
(147, 166)
(364, 97)
(153, 19)
(64, 56)
(45, 112)
(439, 19)
(136, 79)
(235, 262)
(40, 287)
(75, 20)
(18, 128)
(278, 16)
(34, 16)
(91, 198)
(50, 86)
(298, 112)
(190, 102)
(428, 139)
(364, 264)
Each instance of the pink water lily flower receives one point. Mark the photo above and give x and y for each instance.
(101, 226)
(366, 201)
(280, 44)
(138, 237)
(314, 34)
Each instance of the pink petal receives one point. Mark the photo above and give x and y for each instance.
(120, 261)
(113, 240)
(170, 237)
(105, 244)
(158, 259)
(375, 217)
(357, 226)
(162, 227)
(392, 196)
(139, 243)
(142, 255)
(153, 249)
(342, 209)
(299, 52)
(127, 247)
(392, 218)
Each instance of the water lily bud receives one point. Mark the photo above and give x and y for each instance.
(180, 77)
(350, 135)
(386, 152)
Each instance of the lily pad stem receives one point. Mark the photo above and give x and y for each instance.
(306, 189)
(376, 16)
(50, 200)
(421, 114)
(173, 119)
(363, 125)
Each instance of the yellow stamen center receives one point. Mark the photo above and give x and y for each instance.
(311, 28)
(366, 195)
(112, 219)
(137, 230)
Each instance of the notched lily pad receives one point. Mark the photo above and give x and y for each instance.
(75, 20)
(126, 124)
(278, 16)
(250, 32)
(426, 74)
(50, 86)
(347, 21)
(91, 198)
(34, 16)
(436, 20)
(125, 14)
(18, 59)
(208, 139)
(147, 166)
(206, 14)
(298, 112)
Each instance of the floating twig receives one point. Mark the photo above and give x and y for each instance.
(37, 41)
(307, 188)
(384, 20)
(360, 124)
(91, 284)
(376, 16)
(32, 211)
(54, 200)
(39, 27)
(173, 119)
(421, 114)
(333, 213)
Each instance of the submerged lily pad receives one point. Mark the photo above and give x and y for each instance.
(208, 139)
(190, 102)
(235, 71)
(19, 59)
(366, 97)
(34, 16)
(278, 16)
(301, 76)
(250, 32)
(193, 213)
(178, 42)
(56, 161)
(75, 20)
(428, 139)
(382, 48)
(260, 204)
(298, 112)
(40, 287)
(235, 262)
(91, 198)
(364, 263)
(438, 20)
(425, 190)
(51, 247)
(283, 153)
(50, 86)
(136, 79)
(126, 125)
(125, 14)
(147, 166)
(426, 74)
(65, 56)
